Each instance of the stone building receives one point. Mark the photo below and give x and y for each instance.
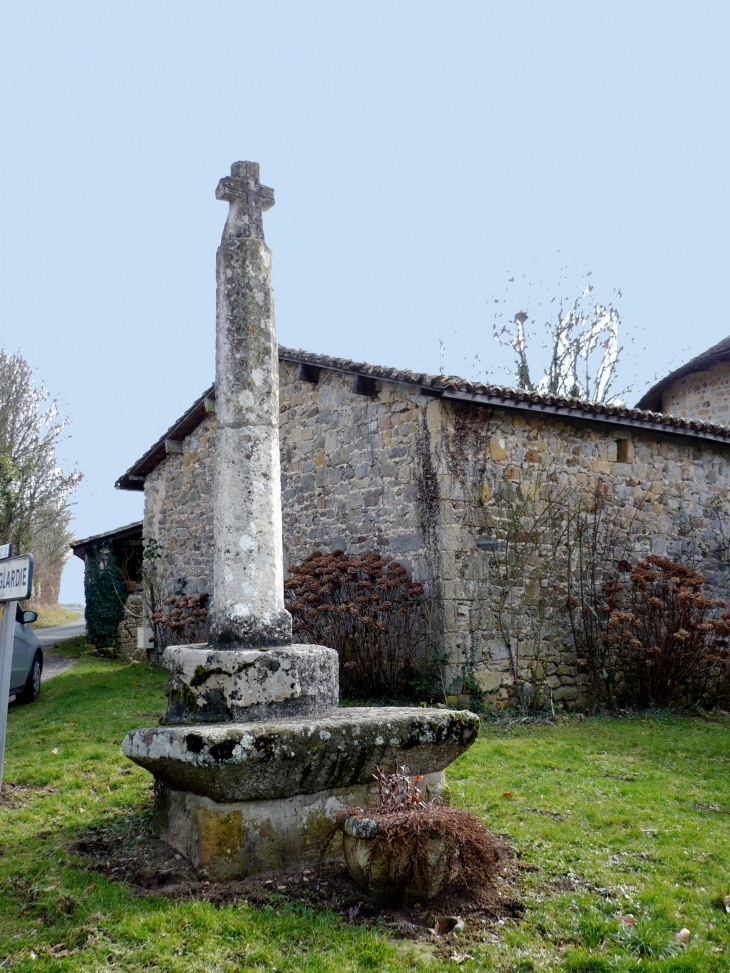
(698, 390)
(122, 550)
(409, 464)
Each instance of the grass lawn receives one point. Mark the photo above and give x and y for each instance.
(620, 816)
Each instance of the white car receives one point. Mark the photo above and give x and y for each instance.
(27, 664)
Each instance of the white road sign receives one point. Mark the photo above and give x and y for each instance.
(5, 551)
(16, 578)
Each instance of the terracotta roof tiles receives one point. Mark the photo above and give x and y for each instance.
(449, 387)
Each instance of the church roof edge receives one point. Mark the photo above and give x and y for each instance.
(447, 387)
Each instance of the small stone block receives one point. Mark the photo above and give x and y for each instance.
(488, 682)
(497, 449)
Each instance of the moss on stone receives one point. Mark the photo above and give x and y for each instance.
(185, 695)
(203, 674)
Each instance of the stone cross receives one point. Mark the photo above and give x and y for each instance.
(248, 570)
(248, 199)
(253, 756)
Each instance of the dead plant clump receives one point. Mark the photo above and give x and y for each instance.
(469, 854)
(182, 620)
(651, 637)
(417, 842)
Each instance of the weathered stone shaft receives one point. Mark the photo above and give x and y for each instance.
(248, 583)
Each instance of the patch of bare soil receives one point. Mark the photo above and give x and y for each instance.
(54, 665)
(149, 867)
(15, 795)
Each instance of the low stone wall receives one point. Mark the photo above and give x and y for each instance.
(133, 614)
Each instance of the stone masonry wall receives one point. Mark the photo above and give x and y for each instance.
(349, 469)
(412, 477)
(701, 395)
(178, 509)
(127, 628)
(348, 479)
(666, 487)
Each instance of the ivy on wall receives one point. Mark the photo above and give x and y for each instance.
(106, 594)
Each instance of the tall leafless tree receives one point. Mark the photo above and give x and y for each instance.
(34, 490)
(582, 341)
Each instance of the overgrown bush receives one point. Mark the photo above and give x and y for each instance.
(182, 620)
(106, 594)
(657, 638)
(374, 615)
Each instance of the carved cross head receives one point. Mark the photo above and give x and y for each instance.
(248, 200)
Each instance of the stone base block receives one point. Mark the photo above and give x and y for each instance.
(210, 684)
(239, 838)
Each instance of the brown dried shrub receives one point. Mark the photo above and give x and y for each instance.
(416, 840)
(666, 641)
(374, 615)
(182, 620)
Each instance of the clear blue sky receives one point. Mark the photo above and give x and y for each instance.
(420, 153)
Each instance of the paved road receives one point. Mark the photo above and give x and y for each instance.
(57, 633)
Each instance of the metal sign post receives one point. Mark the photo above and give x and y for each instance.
(16, 581)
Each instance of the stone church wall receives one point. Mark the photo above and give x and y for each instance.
(348, 479)
(178, 509)
(349, 468)
(414, 477)
(664, 487)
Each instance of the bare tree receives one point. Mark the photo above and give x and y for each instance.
(34, 490)
(50, 552)
(582, 341)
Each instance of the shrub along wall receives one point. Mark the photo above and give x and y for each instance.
(375, 616)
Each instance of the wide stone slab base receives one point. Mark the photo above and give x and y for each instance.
(282, 758)
(240, 838)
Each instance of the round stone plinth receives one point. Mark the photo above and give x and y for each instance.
(283, 758)
(213, 685)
